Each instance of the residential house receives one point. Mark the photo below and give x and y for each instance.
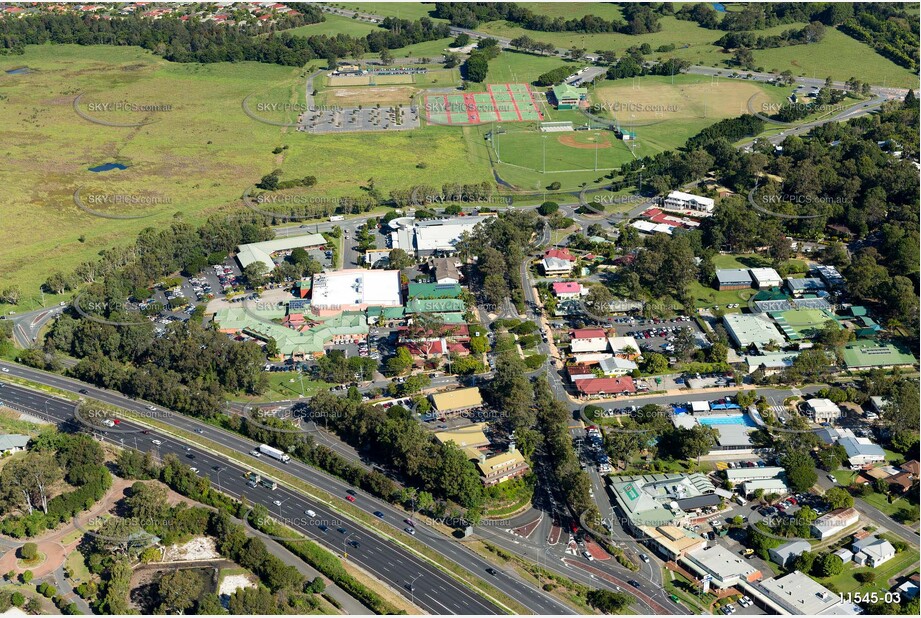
(557, 262)
(823, 410)
(679, 200)
(445, 270)
(872, 551)
(617, 366)
(567, 290)
(588, 340)
(13, 443)
(601, 387)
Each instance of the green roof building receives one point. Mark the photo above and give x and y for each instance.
(868, 354)
(432, 305)
(434, 290)
(569, 97)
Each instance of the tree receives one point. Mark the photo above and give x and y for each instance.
(399, 362)
(255, 274)
(29, 551)
(829, 565)
(598, 301)
(685, 343)
(385, 56)
(477, 67)
(608, 602)
(653, 362)
(801, 474)
(901, 412)
(178, 591)
(803, 563)
(548, 208)
(426, 331)
(839, 498)
(451, 60)
(479, 344)
(399, 259)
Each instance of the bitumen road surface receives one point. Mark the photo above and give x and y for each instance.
(396, 566)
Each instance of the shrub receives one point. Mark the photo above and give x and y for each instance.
(29, 551)
(18, 599)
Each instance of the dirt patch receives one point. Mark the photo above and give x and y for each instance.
(348, 97)
(232, 583)
(199, 548)
(570, 140)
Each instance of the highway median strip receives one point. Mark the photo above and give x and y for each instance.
(477, 585)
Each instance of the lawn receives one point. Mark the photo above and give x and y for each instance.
(336, 24)
(403, 10)
(285, 385)
(195, 159)
(844, 582)
(840, 57)
(519, 67)
(10, 423)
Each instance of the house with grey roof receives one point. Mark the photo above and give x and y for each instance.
(784, 554)
(872, 551)
(13, 443)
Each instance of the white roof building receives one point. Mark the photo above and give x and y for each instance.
(618, 345)
(746, 330)
(723, 566)
(263, 251)
(823, 410)
(765, 278)
(833, 522)
(799, 594)
(13, 443)
(616, 366)
(355, 289)
(556, 266)
(679, 200)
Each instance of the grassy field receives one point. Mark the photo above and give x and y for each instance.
(840, 57)
(837, 54)
(403, 10)
(692, 103)
(845, 582)
(193, 160)
(512, 66)
(336, 24)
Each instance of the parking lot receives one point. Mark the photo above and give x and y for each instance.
(390, 118)
(655, 335)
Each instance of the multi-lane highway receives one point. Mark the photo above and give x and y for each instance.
(435, 592)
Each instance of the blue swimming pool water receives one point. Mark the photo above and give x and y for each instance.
(718, 7)
(105, 167)
(729, 419)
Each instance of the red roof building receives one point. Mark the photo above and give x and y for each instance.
(567, 289)
(560, 254)
(605, 386)
(589, 333)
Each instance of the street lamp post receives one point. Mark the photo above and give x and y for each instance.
(412, 591)
(345, 553)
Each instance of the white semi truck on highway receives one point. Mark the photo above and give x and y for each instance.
(274, 453)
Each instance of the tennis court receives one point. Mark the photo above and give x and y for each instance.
(500, 103)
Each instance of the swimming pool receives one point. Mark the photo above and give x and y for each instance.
(727, 419)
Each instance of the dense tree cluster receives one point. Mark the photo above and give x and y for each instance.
(500, 245)
(31, 500)
(638, 18)
(812, 33)
(207, 42)
(396, 439)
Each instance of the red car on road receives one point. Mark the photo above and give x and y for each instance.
(350, 498)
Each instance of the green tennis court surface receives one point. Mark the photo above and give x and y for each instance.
(500, 103)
